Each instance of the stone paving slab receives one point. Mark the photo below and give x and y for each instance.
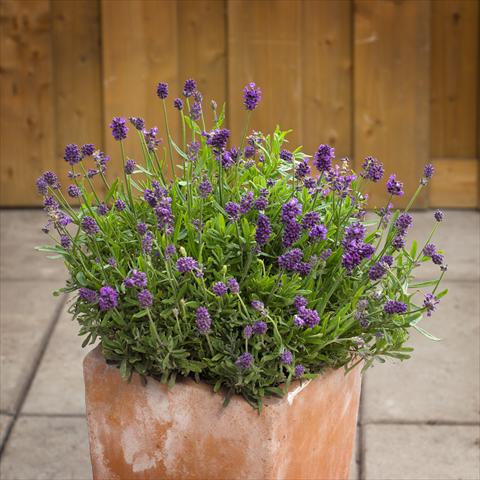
(420, 452)
(20, 233)
(440, 382)
(5, 421)
(27, 310)
(58, 386)
(47, 448)
(458, 235)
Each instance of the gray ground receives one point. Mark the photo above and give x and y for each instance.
(418, 420)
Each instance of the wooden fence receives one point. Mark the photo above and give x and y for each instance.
(395, 79)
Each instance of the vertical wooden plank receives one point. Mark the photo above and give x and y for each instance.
(202, 47)
(391, 85)
(327, 75)
(26, 119)
(77, 75)
(455, 78)
(139, 44)
(264, 46)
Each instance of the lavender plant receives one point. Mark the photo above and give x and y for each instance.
(255, 266)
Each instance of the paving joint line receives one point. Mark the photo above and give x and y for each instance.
(36, 365)
(54, 415)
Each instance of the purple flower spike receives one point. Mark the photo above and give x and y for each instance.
(318, 232)
(186, 264)
(73, 191)
(217, 139)
(300, 302)
(196, 111)
(437, 259)
(299, 371)
(145, 298)
(438, 215)
(130, 166)
(372, 169)
(119, 128)
(260, 328)
(286, 155)
(142, 228)
(90, 296)
(428, 171)
(233, 210)
(65, 241)
(392, 307)
(120, 205)
(233, 286)
(203, 320)
(162, 90)
(251, 96)
(430, 302)
(42, 186)
(88, 149)
(72, 154)
(323, 157)
(258, 306)
(108, 298)
(205, 188)
(89, 225)
(178, 104)
(189, 87)
(138, 123)
(136, 279)
(247, 331)
(429, 249)
(286, 357)
(264, 229)
(394, 187)
(219, 289)
(244, 361)
(102, 209)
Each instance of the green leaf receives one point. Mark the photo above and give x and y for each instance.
(426, 334)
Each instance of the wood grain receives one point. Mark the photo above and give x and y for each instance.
(391, 84)
(26, 90)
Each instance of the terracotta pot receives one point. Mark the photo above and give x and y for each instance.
(152, 432)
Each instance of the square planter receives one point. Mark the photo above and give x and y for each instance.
(152, 432)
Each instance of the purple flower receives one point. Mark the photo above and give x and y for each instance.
(119, 128)
(251, 96)
(147, 242)
(112, 262)
(217, 139)
(102, 209)
(138, 123)
(302, 169)
(286, 155)
(261, 203)
(108, 298)
(429, 249)
(192, 151)
(377, 271)
(72, 154)
(130, 166)
(286, 357)
(291, 259)
(136, 279)
(398, 242)
(162, 90)
(387, 259)
(300, 302)
(170, 250)
(354, 253)
(233, 210)
(247, 331)
(91, 172)
(437, 259)
(219, 289)
(246, 203)
(258, 306)
(151, 138)
(310, 219)
(50, 203)
(244, 361)
(260, 328)
(178, 104)
(394, 187)
(404, 222)
(291, 233)
(141, 228)
(205, 188)
(372, 169)
(42, 186)
(438, 215)
(428, 171)
(318, 232)
(164, 215)
(196, 111)
(392, 306)
(90, 296)
(291, 210)
(189, 87)
(89, 225)
(88, 149)
(73, 191)
(203, 320)
(65, 241)
(430, 302)
(52, 180)
(323, 157)
(264, 229)
(233, 285)
(354, 232)
(186, 264)
(227, 160)
(249, 151)
(310, 317)
(299, 371)
(120, 205)
(145, 298)
(326, 254)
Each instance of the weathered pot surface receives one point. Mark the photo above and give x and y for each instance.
(152, 432)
